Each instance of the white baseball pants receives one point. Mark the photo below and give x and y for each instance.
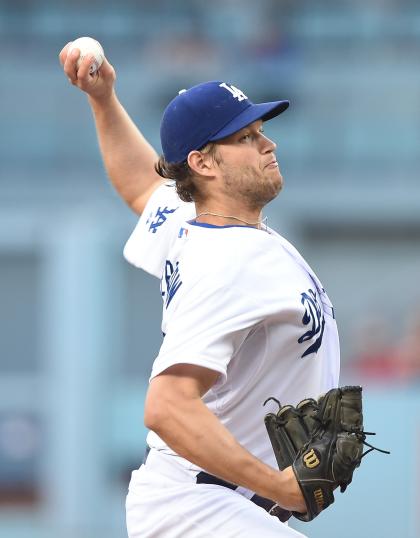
(165, 502)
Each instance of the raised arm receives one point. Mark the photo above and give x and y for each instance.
(128, 157)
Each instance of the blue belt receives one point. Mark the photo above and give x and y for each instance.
(267, 504)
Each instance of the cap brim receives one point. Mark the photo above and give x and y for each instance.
(260, 111)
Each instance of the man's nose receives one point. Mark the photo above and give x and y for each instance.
(268, 145)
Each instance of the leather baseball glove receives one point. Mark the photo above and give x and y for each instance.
(323, 442)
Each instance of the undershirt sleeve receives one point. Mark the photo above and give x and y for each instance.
(157, 229)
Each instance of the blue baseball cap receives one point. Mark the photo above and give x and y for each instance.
(208, 112)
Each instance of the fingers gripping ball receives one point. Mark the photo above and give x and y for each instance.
(89, 46)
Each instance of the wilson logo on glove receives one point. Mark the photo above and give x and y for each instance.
(319, 499)
(310, 459)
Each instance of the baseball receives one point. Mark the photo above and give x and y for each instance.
(88, 45)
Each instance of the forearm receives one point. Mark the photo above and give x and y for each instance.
(129, 159)
(196, 434)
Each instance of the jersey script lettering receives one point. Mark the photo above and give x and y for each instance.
(172, 282)
(314, 317)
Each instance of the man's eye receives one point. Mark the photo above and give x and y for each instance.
(245, 137)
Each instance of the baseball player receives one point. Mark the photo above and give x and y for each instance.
(244, 316)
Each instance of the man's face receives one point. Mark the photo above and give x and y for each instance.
(248, 167)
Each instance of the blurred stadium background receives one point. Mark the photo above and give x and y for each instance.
(80, 327)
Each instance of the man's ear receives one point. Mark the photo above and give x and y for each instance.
(201, 163)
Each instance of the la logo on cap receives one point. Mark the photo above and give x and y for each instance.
(236, 92)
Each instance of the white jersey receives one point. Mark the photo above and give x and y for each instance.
(240, 301)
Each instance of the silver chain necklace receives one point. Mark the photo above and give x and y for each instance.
(257, 223)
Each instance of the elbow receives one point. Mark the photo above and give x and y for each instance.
(151, 419)
(155, 413)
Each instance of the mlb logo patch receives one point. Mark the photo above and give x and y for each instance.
(183, 232)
